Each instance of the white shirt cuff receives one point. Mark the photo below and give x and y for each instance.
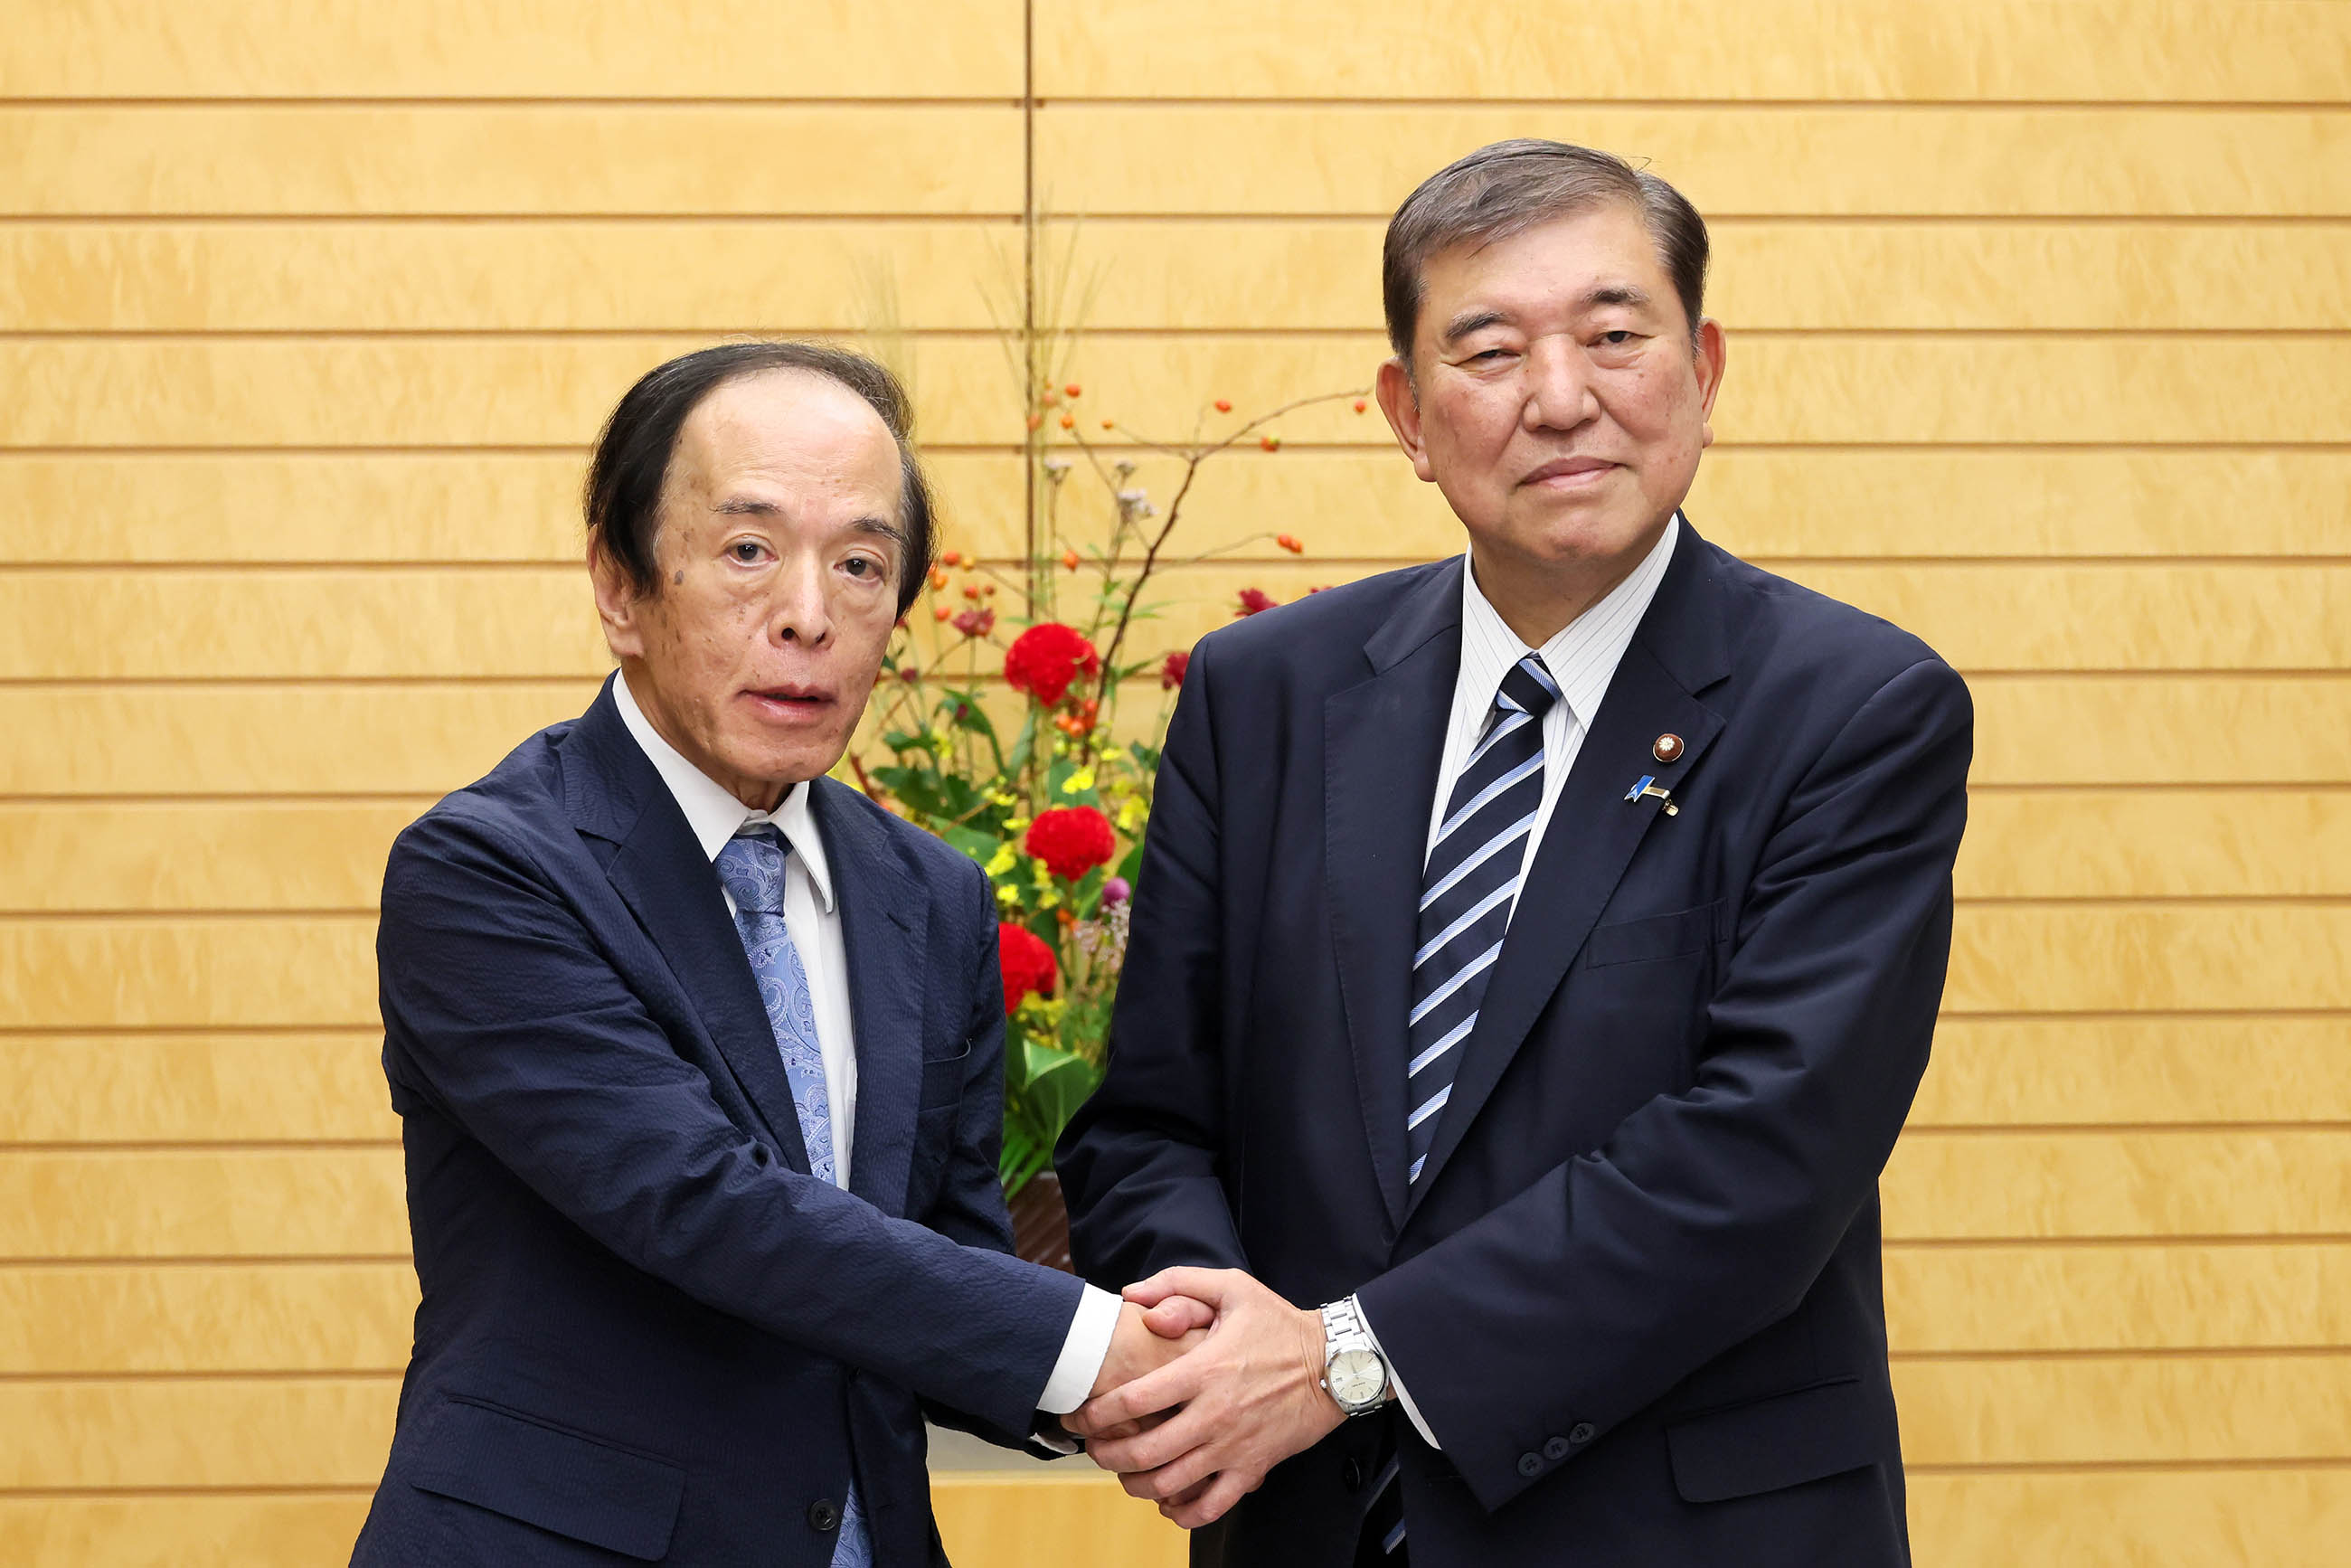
(1083, 1353)
(1395, 1379)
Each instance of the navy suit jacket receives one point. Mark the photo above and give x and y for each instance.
(1636, 1290)
(647, 1334)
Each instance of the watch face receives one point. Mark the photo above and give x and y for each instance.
(1356, 1378)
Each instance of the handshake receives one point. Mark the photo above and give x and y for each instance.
(1211, 1381)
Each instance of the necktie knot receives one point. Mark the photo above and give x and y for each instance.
(1528, 688)
(751, 868)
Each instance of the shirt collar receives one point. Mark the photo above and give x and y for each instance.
(1583, 654)
(711, 810)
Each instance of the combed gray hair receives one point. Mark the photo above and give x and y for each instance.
(1510, 187)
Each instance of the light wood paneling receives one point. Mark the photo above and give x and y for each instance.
(1321, 274)
(249, 1203)
(990, 1520)
(2149, 729)
(290, 1432)
(525, 391)
(238, 1529)
(2179, 1518)
(296, 854)
(551, 159)
(206, 1318)
(2182, 843)
(1861, 51)
(508, 624)
(242, 740)
(1841, 161)
(2123, 1410)
(137, 972)
(2152, 958)
(2002, 1185)
(513, 48)
(180, 1088)
(1977, 1299)
(441, 507)
(2020, 1071)
(751, 276)
(313, 855)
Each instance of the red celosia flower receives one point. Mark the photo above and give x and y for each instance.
(1072, 841)
(1255, 601)
(1027, 964)
(1046, 658)
(1171, 673)
(976, 623)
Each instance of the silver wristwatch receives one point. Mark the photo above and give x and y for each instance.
(1354, 1374)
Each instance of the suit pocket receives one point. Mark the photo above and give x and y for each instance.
(943, 1079)
(1783, 1441)
(559, 1481)
(1654, 936)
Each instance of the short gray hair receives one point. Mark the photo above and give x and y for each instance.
(1510, 187)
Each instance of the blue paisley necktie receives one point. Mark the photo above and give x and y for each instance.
(751, 868)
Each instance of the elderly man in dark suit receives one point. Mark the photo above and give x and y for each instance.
(698, 1053)
(1534, 959)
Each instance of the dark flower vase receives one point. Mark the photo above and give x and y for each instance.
(1041, 1222)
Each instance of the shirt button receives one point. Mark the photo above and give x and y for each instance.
(823, 1517)
(1583, 1432)
(1530, 1465)
(1556, 1449)
(1350, 1475)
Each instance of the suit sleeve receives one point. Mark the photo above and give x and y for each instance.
(1139, 1162)
(1707, 1215)
(505, 1016)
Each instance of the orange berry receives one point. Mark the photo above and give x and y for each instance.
(1070, 559)
(970, 590)
(1270, 442)
(1072, 389)
(1036, 421)
(1224, 405)
(1360, 405)
(941, 612)
(1109, 425)
(988, 589)
(1050, 400)
(953, 557)
(938, 578)
(1068, 423)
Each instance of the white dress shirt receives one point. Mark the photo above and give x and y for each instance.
(812, 916)
(1582, 657)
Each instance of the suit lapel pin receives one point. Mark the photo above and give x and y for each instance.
(1646, 787)
(1666, 747)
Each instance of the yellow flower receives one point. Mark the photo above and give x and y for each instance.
(1009, 897)
(1077, 783)
(1001, 798)
(1132, 814)
(1016, 826)
(1003, 859)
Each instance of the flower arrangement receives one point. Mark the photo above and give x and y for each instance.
(1002, 734)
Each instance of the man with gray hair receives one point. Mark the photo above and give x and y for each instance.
(1536, 958)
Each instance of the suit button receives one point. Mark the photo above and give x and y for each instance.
(1350, 1475)
(1530, 1465)
(823, 1517)
(1556, 1449)
(1583, 1432)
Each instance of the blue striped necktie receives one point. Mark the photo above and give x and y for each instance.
(751, 868)
(1468, 891)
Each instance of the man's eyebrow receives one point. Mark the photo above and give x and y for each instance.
(1469, 321)
(883, 525)
(746, 507)
(1625, 294)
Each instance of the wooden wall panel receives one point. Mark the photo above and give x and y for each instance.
(206, 1318)
(2123, 1409)
(182, 1087)
(228, 1530)
(319, 1202)
(2121, 51)
(1848, 276)
(2166, 1517)
(554, 160)
(294, 854)
(512, 49)
(748, 275)
(1837, 161)
(1979, 1300)
(158, 971)
(2259, 1066)
(156, 1433)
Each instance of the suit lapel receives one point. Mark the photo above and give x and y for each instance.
(1382, 741)
(1594, 831)
(660, 871)
(885, 925)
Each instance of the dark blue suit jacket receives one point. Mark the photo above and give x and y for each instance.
(647, 1334)
(1636, 1290)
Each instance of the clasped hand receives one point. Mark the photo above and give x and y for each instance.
(1232, 1387)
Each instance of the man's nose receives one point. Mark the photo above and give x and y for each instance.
(1560, 394)
(799, 614)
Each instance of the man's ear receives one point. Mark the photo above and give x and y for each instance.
(617, 603)
(1401, 403)
(1712, 354)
